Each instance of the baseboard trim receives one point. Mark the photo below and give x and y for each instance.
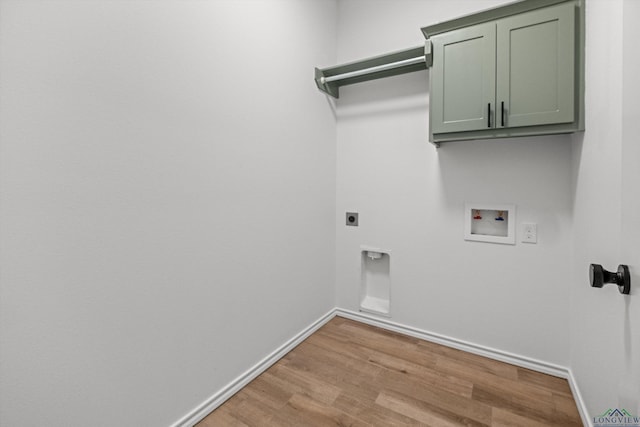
(202, 410)
(503, 356)
(580, 403)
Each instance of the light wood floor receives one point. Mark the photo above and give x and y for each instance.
(352, 374)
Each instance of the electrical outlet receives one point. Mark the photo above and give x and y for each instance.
(529, 233)
(352, 219)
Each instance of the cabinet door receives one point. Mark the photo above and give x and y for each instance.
(535, 67)
(463, 80)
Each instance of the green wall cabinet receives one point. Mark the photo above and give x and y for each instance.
(514, 72)
(463, 88)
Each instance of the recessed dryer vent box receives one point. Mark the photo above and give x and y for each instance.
(492, 223)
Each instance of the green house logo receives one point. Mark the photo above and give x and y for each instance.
(617, 418)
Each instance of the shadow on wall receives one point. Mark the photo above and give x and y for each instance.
(629, 391)
(391, 95)
(501, 170)
(577, 143)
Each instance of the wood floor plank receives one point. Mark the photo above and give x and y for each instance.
(557, 385)
(490, 381)
(371, 412)
(307, 412)
(566, 411)
(437, 397)
(352, 374)
(269, 392)
(334, 367)
(252, 411)
(399, 363)
(479, 363)
(530, 409)
(296, 382)
(221, 417)
(356, 382)
(381, 340)
(504, 418)
(431, 413)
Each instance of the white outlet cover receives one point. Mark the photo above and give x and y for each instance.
(529, 232)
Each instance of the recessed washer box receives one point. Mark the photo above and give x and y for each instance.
(491, 223)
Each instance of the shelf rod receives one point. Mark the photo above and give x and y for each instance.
(383, 67)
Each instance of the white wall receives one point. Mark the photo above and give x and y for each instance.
(167, 200)
(605, 344)
(410, 196)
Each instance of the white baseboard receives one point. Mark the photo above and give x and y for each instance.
(233, 387)
(580, 403)
(202, 410)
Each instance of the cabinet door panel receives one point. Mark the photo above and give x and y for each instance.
(535, 67)
(463, 80)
